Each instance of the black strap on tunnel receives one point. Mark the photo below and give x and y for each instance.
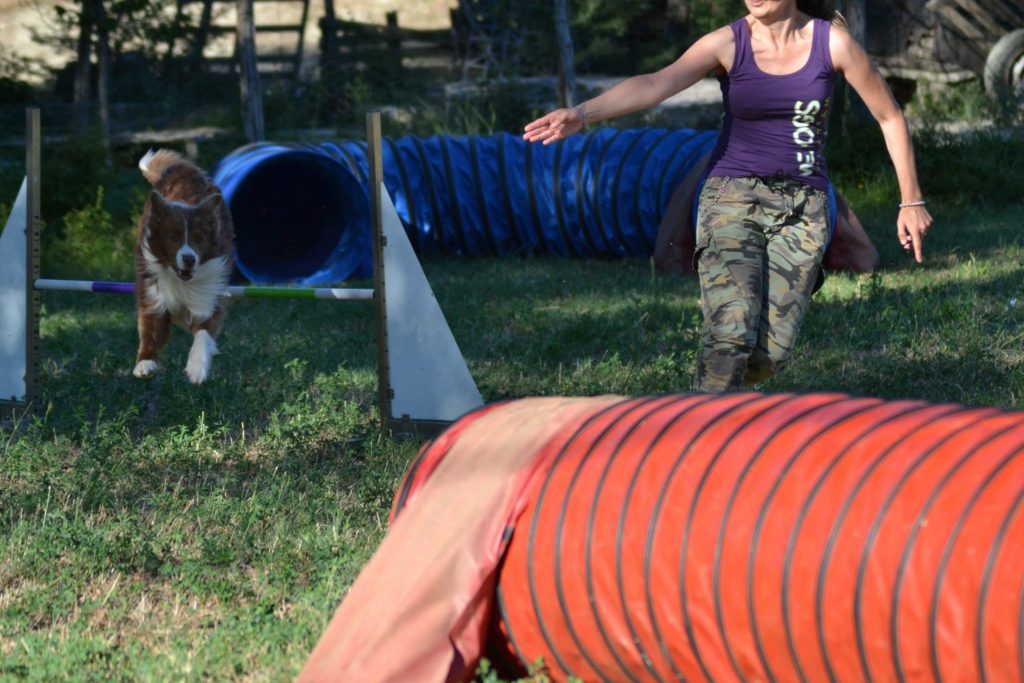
(637, 422)
(595, 197)
(353, 166)
(716, 569)
(556, 192)
(872, 536)
(640, 174)
(453, 196)
(615, 194)
(435, 207)
(506, 200)
(581, 195)
(787, 561)
(757, 414)
(410, 201)
(947, 552)
(637, 407)
(636, 196)
(986, 584)
(826, 557)
(531, 581)
(820, 434)
(659, 501)
(919, 523)
(478, 186)
(697, 402)
(663, 177)
(531, 193)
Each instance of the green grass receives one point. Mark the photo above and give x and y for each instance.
(152, 530)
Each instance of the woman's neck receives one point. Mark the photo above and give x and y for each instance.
(778, 28)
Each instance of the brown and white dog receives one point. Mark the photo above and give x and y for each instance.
(183, 260)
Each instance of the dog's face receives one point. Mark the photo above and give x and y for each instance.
(184, 237)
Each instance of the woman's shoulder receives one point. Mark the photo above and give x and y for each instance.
(724, 36)
(841, 44)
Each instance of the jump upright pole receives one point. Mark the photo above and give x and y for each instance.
(423, 381)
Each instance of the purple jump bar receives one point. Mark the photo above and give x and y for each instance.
(114, 287)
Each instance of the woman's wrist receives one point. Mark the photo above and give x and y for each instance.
(581, 111)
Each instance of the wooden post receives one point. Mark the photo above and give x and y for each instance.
(83, 67)
(195, 56)
(249, 74)
(376, 180)
(34, 220)
(394, 38)
(393, 41)
(566, 60)
(328, 38)
(103, 81)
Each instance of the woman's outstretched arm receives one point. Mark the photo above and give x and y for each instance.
(713, 51)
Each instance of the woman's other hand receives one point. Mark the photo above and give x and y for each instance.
(911, 226)
(558, 125)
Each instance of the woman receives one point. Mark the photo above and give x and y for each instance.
(763, 212)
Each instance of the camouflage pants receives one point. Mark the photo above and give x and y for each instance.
(760, 242)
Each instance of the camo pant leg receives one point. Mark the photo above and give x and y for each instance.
(795, 247)
(759, 247)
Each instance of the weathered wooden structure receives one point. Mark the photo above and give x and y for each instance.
(216, 20)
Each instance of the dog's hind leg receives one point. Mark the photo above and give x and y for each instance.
(204, 347)
(154, 331)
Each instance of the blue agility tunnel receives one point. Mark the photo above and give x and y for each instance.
(302, 212)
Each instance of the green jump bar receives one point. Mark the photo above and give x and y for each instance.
(339, 294)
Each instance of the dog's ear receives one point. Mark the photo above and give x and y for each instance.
(213, 205)
(211, 202)
(158, 209)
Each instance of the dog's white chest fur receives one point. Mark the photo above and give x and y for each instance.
(187, 302)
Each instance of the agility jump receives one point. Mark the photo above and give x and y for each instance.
(423, 380)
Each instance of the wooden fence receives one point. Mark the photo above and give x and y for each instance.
(349, 42)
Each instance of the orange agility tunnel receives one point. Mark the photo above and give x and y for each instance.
(706, 538)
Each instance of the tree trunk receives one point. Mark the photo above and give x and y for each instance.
(195, 55)
(103, 57)
(249, 75)
(83, 67)
(566, 60)
(329, 38)
(856, 16)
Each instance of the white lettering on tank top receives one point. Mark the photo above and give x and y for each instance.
(803, 133)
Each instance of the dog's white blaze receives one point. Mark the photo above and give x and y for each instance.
(195, 299)
(199, 357)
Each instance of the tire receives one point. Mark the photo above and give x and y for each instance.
(1004, 66)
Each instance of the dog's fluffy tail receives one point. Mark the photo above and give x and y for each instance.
(153, 164)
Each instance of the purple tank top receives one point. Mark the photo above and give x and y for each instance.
(776, 125)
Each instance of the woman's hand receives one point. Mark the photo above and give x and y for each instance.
(558, 125)
(911, 226)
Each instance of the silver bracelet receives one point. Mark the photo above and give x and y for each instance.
(919, 202)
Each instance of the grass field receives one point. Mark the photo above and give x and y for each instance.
(152, 530)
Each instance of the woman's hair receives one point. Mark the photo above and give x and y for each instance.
(822, 9)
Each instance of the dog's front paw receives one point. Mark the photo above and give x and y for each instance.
(203, 348)
(145, 368)
(197, 372)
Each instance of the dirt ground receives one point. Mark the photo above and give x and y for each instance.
(19, 17)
